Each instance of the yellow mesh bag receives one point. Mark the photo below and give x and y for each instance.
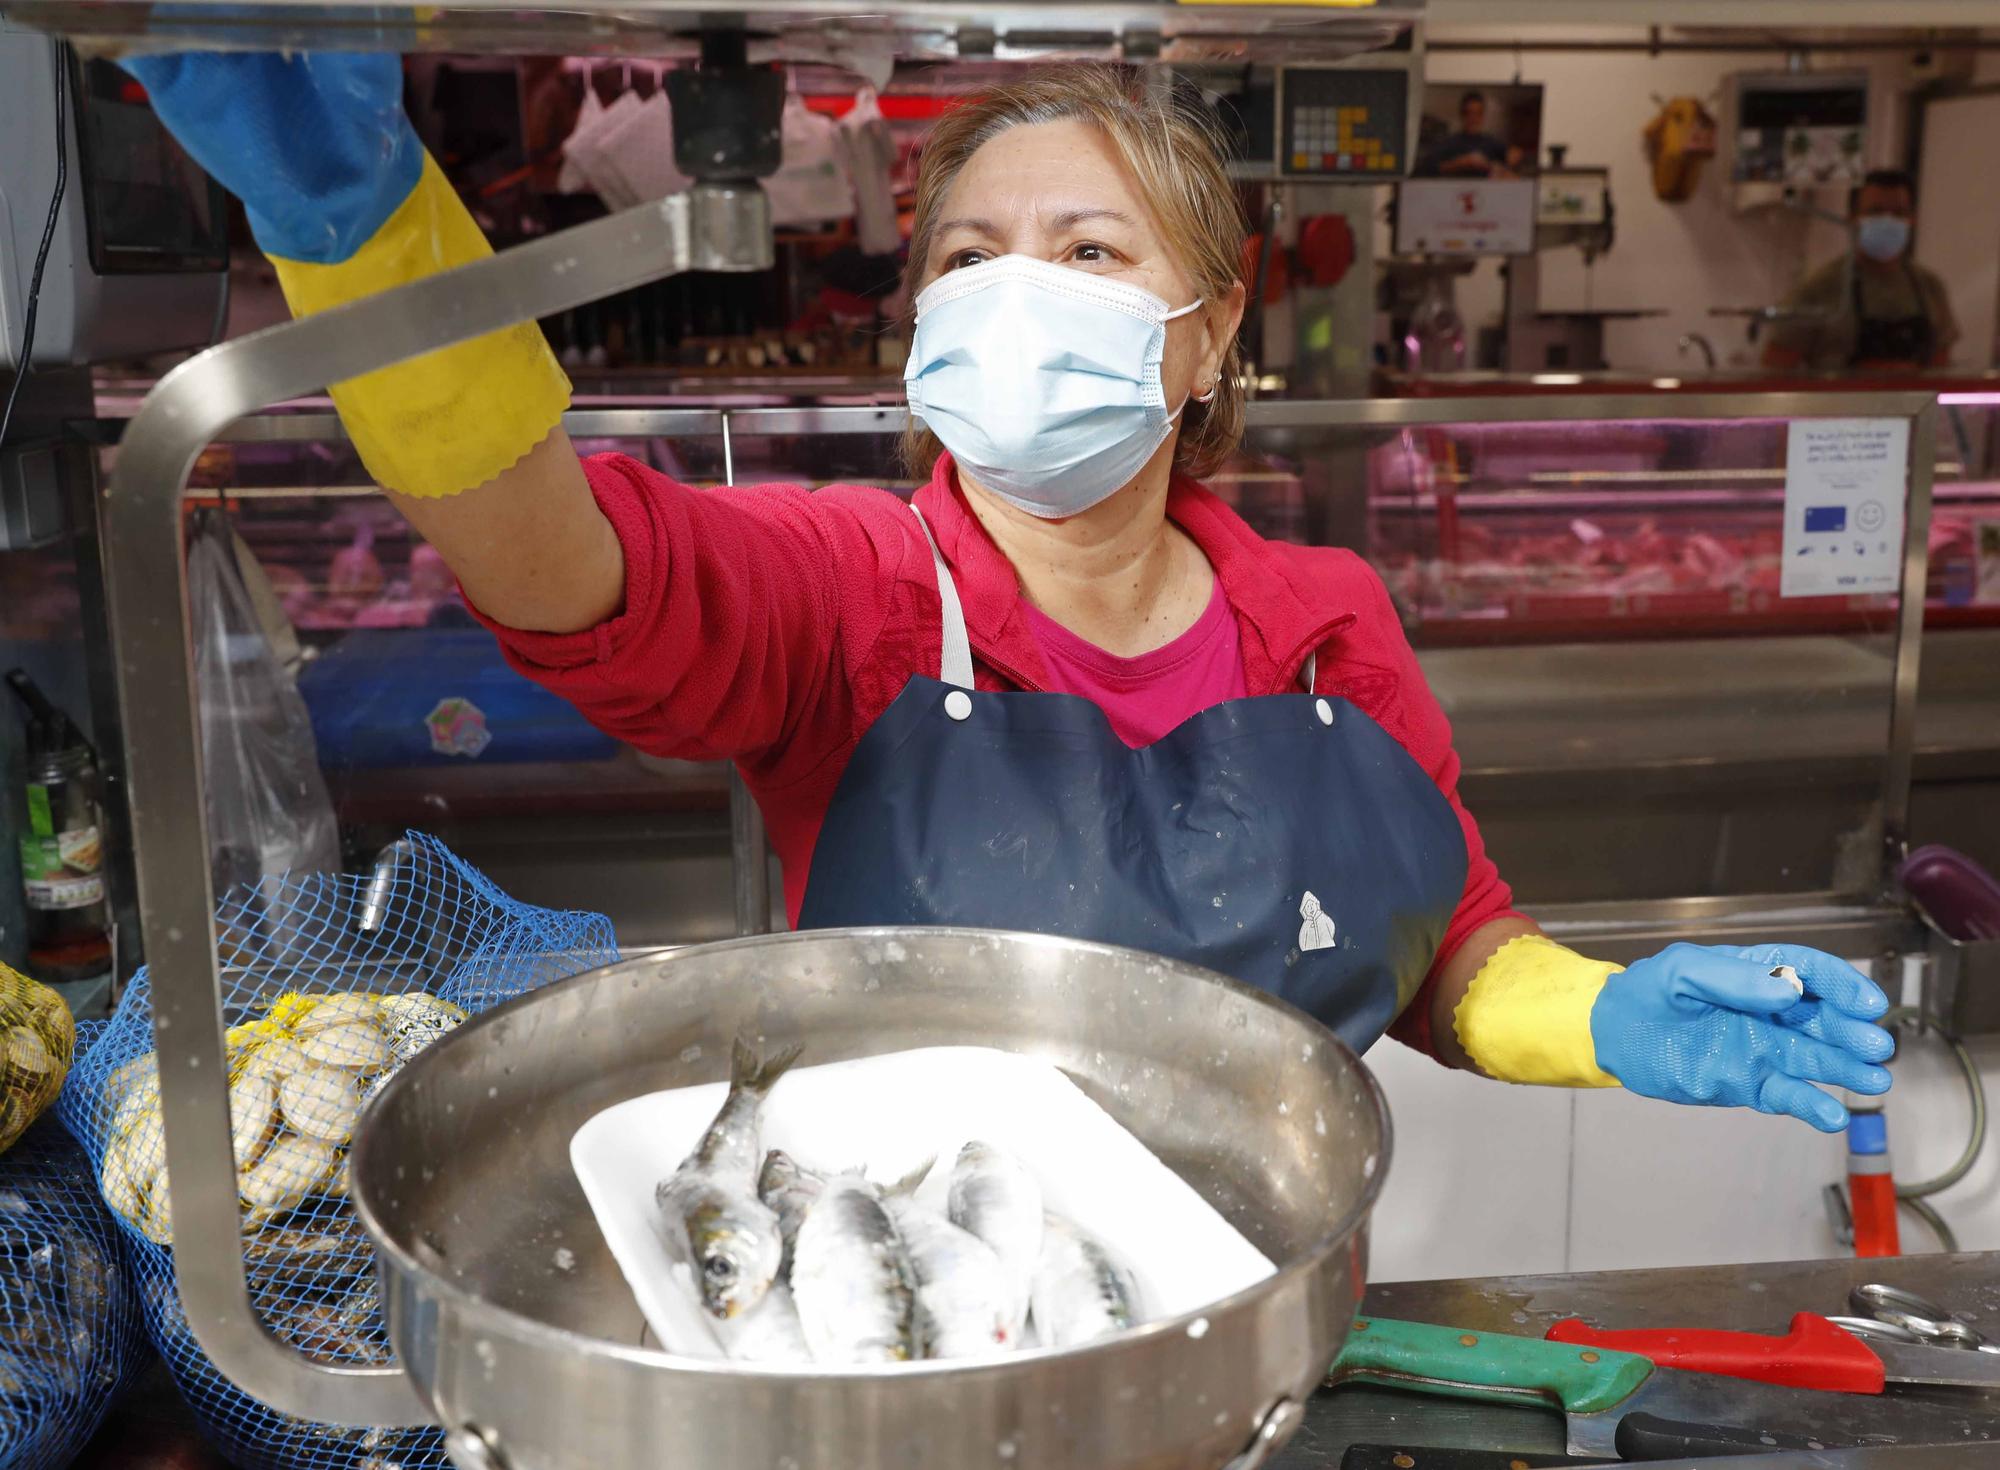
(37, 1040)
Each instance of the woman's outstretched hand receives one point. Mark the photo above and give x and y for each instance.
(1720, 1026)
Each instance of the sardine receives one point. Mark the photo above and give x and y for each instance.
(995, 1198)
(788, 1188)
(962, 1294)
(711, 1201)
(852, 1280)
(768, 1332)
(1082, 1291)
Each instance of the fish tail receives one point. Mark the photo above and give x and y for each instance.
(748, 1074)
(905, 1187)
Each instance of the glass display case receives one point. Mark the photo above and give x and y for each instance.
(1504, 533)
(1652, 733)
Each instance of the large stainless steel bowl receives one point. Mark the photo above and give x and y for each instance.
(519, 1332)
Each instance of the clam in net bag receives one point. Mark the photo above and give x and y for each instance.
(69, 1324)
(329, 984)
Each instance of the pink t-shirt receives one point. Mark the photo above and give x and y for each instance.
(1147, 696)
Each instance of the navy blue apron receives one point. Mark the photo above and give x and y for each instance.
(1288, 840)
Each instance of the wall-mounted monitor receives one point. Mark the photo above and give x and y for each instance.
(1484, 130)
(139, 254)
(1803, 128)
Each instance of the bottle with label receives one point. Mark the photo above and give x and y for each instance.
(58, 827)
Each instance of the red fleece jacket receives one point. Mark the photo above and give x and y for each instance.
(771, 624)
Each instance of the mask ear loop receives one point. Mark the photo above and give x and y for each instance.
(1209, 396)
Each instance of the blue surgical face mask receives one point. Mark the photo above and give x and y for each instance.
(1042, 380)
(1882, 237)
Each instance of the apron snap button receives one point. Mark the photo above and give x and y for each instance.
(958, 704)
(1324, 711)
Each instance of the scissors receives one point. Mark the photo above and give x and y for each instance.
(1895, 1315)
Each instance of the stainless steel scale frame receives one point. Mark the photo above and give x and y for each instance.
(712, 228)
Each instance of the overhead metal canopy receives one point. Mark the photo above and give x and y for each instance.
(863, 36)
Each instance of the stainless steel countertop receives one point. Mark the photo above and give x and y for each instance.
(1758, 1298)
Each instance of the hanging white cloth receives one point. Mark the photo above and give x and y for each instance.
(810, 186)
(587, 150)
(637, 152)
(868, 149)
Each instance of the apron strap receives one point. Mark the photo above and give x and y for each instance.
(956, 664)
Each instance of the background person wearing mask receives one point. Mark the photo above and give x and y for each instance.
(1874, 307)
(1472, 150)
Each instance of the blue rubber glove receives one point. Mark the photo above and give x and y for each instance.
(317, 146)
(1713, 1025)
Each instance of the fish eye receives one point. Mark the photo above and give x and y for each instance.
(719, 1269)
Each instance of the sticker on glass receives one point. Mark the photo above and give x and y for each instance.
(458, 727)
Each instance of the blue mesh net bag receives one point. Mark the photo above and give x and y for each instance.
(329, 984)
(69, 1323)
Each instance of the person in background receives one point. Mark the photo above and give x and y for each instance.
(1875, 307)
(1472, 150)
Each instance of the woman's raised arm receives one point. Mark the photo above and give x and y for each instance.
(343, 198)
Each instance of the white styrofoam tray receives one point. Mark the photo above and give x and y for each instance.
(887, 1115)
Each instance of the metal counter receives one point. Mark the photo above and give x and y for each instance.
(1746, 1298)
(152, 1422)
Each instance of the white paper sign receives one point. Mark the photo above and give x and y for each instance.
(1465, 217)
(1845, 481)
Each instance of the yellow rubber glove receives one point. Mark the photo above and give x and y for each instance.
(442, 423)
(342, 197)
(1526, 1015)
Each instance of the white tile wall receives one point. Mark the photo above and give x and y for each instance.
(1928, 1117)
(1495, 1180)
(1661, 1185)
(1479, 1180)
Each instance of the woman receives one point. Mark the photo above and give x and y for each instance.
(1248, 769)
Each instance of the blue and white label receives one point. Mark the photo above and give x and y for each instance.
(1845, 484)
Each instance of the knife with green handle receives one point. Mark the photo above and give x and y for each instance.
(1619, 1405)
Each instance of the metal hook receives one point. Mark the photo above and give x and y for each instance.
(375, 902)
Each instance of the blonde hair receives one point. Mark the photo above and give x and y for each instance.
(1174, 154)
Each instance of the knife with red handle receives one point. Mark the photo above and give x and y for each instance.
(1815, 1353)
